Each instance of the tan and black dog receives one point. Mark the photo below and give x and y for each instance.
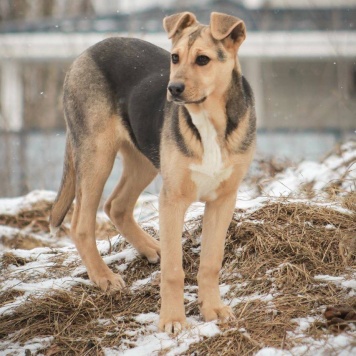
(188, 115)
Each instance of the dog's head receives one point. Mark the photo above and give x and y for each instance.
(202, 57)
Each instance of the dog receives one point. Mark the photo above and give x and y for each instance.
(189, 115)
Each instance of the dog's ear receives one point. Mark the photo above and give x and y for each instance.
(227, 27)
(178, 22)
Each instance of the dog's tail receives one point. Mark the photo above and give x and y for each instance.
(66, 191)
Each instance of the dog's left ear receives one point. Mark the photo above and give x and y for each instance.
(178, 22)
(224, 26)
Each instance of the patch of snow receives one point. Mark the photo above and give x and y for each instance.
(104, 321)
(248, 298)
(33, 345)
(318, 175)
(128, 255)
(303, 323)
(224, 289)
(342, 281)
(37, 288)
(190, 297)
(36, 254)
(141, 282)
(209, 329)
(270, 351)
(34, 277)
(39, 195)
(196, 210)
(10, 206)
(13, 206)
(251, 205)
(147, 318)
(159, 342)
(341, 345)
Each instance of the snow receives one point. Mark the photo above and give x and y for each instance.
(303, 323)
(33, 346)
(138, 284)
(270, 351)
(10, 206)
(13, 206)
(250, 298)
(161, 343)
(348, 282)
(340, 345)
(42, 258)
(147, 318)
(318, 174)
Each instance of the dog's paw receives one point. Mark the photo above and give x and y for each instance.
(172, 327)
(151, 250)
(108, 281)
(172, 318)
(222, 312)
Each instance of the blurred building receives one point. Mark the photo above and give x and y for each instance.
(299, 56)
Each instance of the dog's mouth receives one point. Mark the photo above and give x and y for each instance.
(180, 101)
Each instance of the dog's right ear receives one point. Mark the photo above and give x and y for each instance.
(226, 27)
(178, 22)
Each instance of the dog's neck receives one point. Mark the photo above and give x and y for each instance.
(223, 110)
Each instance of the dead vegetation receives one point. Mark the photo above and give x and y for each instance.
(285, 261)
(32, 218)
(272, 256)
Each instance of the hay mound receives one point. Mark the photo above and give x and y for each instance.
(28, 217)
(278, 270)
(289, 273)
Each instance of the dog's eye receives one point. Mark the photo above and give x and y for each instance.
(202, 60)
(175, 58)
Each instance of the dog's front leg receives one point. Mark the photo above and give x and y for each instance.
(217, 217)
(171, 212)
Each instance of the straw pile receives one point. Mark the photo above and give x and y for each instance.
(272, 254)
(30, 219)
(286, 260)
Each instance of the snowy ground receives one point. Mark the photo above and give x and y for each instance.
(34, 265)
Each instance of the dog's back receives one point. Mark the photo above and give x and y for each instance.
(129, 77)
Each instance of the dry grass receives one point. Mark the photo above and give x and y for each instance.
(349, 201)
(73, 318)
(34, 219)
(272, 256)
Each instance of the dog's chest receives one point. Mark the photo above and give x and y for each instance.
(211, 172)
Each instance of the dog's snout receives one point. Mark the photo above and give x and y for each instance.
(176, 88)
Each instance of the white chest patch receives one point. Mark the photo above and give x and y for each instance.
(208, 175)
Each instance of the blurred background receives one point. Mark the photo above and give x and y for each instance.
(299, 57)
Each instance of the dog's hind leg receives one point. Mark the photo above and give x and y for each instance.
(137, 174)
(94, 161)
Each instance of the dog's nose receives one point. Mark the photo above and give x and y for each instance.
(176, 89)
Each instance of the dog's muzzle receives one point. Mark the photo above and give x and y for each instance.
(176, 90)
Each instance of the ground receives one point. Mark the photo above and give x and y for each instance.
(289, 274)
